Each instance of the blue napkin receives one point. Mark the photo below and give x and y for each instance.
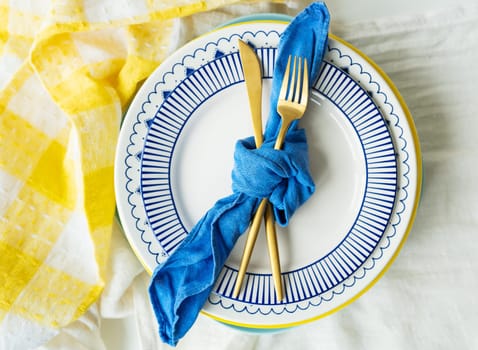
(180, 286)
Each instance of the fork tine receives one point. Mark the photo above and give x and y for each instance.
(297, 86)
(285, 81)
(305, 85)
(293, 82)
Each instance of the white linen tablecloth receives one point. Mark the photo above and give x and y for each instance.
(427, 298)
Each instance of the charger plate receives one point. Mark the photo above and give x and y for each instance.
(175, 156)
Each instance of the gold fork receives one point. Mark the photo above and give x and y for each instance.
(293, 97)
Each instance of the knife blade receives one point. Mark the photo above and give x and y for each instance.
(253, 78)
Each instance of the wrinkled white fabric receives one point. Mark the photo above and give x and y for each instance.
(427, 298)
(117, 300)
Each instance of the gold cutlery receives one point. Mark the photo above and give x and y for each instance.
(291, 106)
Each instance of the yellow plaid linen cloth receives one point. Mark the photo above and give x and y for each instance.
(68, 69)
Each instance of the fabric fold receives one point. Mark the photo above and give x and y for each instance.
(180, 286)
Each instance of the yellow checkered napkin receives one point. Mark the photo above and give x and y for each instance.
(68, 68)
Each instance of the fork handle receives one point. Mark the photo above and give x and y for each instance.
(270, 233)
(282, 132)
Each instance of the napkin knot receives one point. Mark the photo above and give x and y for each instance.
(281, 175)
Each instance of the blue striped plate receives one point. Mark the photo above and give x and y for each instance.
(174, 160)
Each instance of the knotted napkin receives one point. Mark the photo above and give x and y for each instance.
(180, 286)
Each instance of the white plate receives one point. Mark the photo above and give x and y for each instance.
(174, 161)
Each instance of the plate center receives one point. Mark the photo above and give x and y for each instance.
(203, 160)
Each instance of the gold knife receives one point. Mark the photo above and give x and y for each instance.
(253, 79)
